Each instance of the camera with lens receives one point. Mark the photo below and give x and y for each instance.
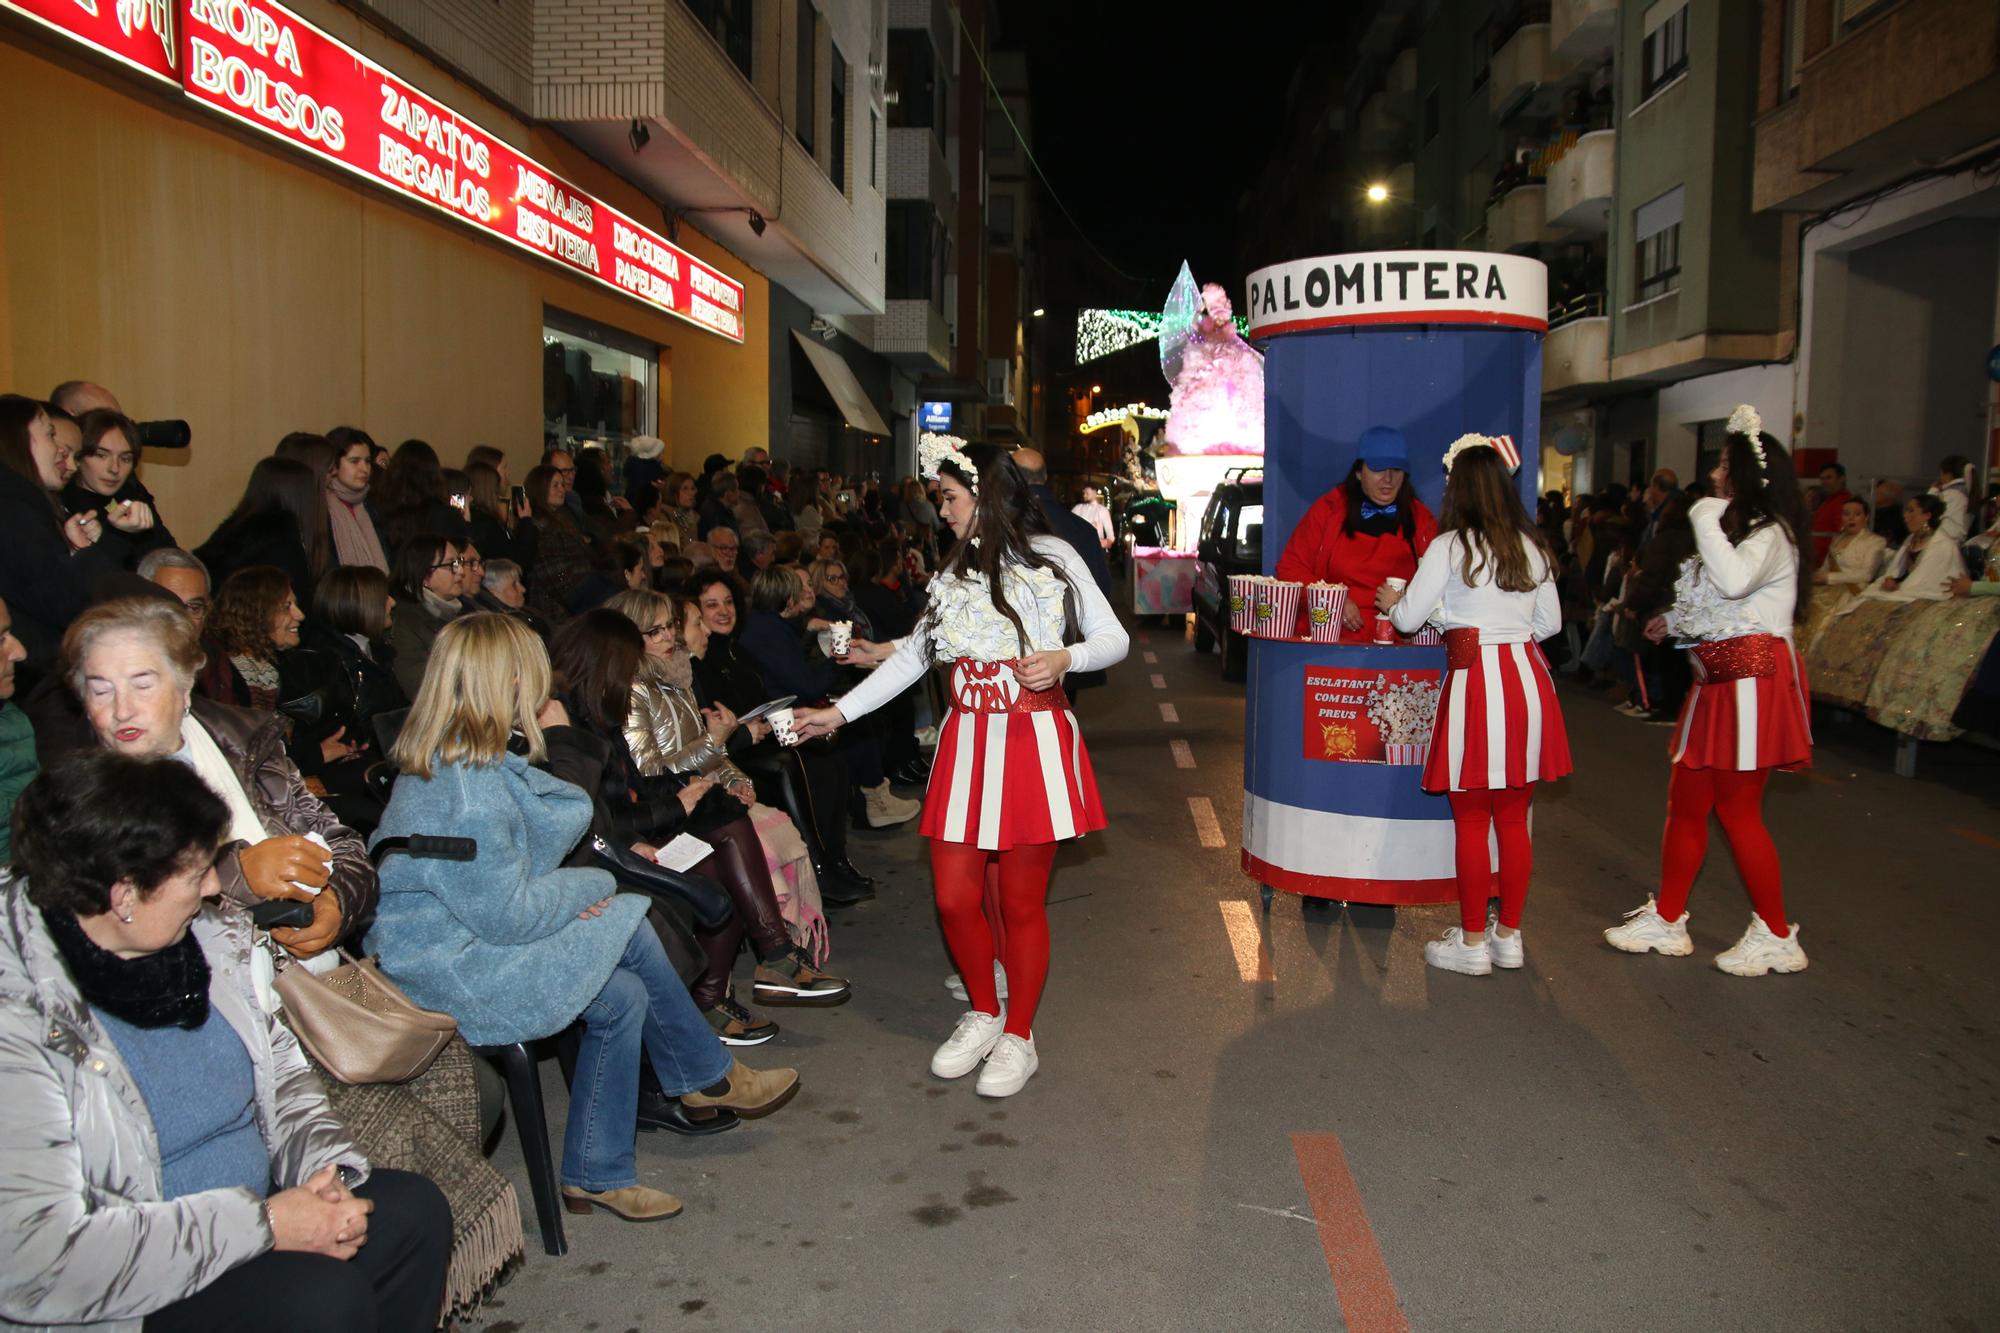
(164, 434)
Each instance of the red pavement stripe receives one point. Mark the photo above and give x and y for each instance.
(1985, 839)
(1360, 1277)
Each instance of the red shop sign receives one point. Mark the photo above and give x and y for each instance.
(260, 64)
(138, 33)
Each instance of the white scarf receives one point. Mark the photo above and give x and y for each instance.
(205, 757)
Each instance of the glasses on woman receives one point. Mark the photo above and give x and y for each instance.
(655, 632)
(454, 564)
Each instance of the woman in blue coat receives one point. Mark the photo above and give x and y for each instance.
(514, 945)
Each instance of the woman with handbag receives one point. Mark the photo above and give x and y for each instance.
(132, 663)
(1734, 607)
(1013, 611)
(599, 654)
(171, 1163)
(518, 947)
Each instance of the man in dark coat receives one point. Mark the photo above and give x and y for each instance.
(1077, 532)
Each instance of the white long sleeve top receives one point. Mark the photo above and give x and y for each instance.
(1921, 576)
(963, 622)
(1438, 591)
(1731, 591)
(1854, 559)
(1957, 520)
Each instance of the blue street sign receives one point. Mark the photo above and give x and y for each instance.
(935, 418)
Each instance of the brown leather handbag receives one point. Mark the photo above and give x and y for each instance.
(358, 1024)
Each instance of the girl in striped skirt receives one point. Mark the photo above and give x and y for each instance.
(1734, 606)
(1012, 610)
(1489, 579)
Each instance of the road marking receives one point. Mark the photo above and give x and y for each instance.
(1183, 754)
(1152, 658)
(1975, 835)
(1169, 713)
(1360, 1276)
(1159, 681)
(1253, 960)
(1206, 826)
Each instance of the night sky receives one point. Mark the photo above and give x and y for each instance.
(1147, 116)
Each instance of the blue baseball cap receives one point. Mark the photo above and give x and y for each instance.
(1383, 448)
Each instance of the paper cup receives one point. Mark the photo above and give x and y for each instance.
(840, 637)
(782, 726)
(1243, 602)
(1326, 604)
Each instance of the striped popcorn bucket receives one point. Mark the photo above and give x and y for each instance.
(1243, 602)
(1326, 603)
(1429, 636)
(1412, 754)
(1282, 622)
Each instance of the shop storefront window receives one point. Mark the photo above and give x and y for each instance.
(598, 386)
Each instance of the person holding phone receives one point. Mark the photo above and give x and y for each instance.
(498, 516)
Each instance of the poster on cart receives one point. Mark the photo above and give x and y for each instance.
(1358, 715)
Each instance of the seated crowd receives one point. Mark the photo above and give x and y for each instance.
(371, 648)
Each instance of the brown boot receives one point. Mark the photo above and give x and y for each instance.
(751, 1093)
(634, 1203)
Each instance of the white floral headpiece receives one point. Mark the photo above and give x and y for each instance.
(933, 450)
(1749, 423)
(1500, 444)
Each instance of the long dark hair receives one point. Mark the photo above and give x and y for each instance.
(17, 454)
(598, 654)
(1006, 517)
(1405, 502)
(412, 565)
(286, 486)
(413, 480)
(1765, 493)
(1480, 502)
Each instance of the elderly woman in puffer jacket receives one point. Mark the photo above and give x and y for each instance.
(166, 1155)
(669, 733)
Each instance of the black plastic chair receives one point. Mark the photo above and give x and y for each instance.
(517, 1064)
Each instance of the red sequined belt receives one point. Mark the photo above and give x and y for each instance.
(1741, 658)
(1461, 649)
(991, 687)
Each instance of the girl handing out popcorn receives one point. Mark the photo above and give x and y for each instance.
(1498, 730)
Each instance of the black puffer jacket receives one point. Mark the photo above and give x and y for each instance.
(46, 585)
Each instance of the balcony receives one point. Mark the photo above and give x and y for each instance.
(917, 167)
(1920, 84)
(1515, 221)
(1581, 183)
(914, 336)
(1580, 31)
(1384, 123)
(1519, 67)
(1576, 354)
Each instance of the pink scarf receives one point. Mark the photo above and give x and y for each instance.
(354, 538)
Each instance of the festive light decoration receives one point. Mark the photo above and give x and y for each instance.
(1218, 390)
(1102, 332)
(1117, 416)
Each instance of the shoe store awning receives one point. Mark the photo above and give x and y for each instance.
(848, 395)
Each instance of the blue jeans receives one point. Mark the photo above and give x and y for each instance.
(643, 1001)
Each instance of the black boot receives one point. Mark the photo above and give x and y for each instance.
(847, 868)
(840, 890)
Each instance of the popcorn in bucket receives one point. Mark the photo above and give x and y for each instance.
(1430, 636)
(1326, 604)
(1278, 609)
(1243, 601)
(1403, 714)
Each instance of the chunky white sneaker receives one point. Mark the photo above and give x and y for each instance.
(1646, 929)
(885, 809)
(1453, 954)
(956, 984)
(1759, 951)
(1506, 953)
(1009, 1068)
(968, 1044)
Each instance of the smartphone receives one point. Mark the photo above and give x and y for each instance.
(462, 504)
(520, 498)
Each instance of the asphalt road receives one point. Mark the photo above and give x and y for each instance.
(1595, 1142)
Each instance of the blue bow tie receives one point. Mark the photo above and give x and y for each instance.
(1370, 511)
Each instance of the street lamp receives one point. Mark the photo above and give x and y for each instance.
(1039, 312)
(1096, 389)
(1378, 193)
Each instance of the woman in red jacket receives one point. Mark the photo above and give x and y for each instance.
(1369, 528)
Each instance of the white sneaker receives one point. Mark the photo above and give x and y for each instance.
(1009, 1068)
(886, 809)
(956, 984)
(1506, 953)
(968, 1044)
(1453, 954)
(1759, 951)
(1646, 929)
(927, 738)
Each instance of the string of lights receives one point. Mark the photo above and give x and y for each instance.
(1102, 332)
(1118, 416)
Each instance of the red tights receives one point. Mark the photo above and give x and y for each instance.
(960, 873)
(1737, 799)
(1505, 811)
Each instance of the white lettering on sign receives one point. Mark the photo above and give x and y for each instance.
(249, 25)
(642, 281)
(399, 162)
(442, 135)
(642, 248)
(1399, 287)
(716, 289)
(214, 71)
(707, 312)
(555, 239)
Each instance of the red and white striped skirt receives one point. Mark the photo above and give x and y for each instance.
(1498, 722)
(1748, 708)
(1010, 767)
